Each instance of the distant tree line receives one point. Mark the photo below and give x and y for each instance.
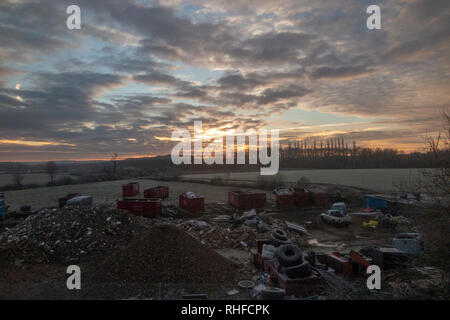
(337, 154)
(328, 154)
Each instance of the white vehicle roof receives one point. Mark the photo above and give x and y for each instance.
(339, 204)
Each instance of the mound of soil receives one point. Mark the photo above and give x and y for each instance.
(166, 255)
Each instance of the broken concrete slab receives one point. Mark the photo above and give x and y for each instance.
(292, 226)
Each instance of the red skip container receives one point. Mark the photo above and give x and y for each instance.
(284, 201)
(161, 192)
(246, 200)
(130, 190)
(193, 205)
(320, 199)
(301, 197)
(141, 207)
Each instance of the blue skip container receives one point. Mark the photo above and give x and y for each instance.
(2, 205)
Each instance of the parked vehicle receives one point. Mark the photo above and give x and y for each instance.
(336, 217)
(339, 206)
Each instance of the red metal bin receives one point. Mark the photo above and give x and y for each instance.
(161, 192)
(301, 197)
(192, 205)
(130, 190)
(141, 207)
(320, 199)
(284, 201)
(340, 264)
(246, 200)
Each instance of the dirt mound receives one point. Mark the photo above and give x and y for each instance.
(166, 255)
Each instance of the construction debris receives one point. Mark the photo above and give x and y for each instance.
(222, 219)
(268, 251)
(386, 258)
(248, 214)
(80, 201)
(411, 243)
(198, 224)
(63, 200)
(219, 237)
(296, 228)
(192, 195)
(68, 235)
(232, 292)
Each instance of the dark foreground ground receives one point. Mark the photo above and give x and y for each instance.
(127, 257)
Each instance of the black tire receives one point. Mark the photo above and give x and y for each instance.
(312, 257)
(289, 255)
(273, 293)
(277, 242)
(279, 234)
(299, 271)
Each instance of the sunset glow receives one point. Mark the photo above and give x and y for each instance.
(138, 70)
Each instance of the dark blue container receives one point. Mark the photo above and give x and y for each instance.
(2, 205)
(374, 202)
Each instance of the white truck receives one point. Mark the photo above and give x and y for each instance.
(336, 217)
(339, 206)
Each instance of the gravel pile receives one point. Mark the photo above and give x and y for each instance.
(71, 234)
(166, 255)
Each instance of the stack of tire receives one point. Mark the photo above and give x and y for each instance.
(278, 237)
(289, 256)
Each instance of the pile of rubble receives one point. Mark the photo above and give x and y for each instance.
(227, 231)
(416, 283)
(70, 234)
(219, 208)
(219, 237)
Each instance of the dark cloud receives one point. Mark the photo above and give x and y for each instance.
(24, 45)
(138, 70)
(412, 47)
(281, 48)
(132, 65)
(274, 95)
(422, 12)
(340, 72)
(59, 101)
(237, 80)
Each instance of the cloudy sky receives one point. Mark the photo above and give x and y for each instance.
(138, 70)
